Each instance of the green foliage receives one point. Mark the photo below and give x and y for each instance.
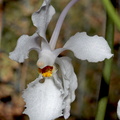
(112, 12)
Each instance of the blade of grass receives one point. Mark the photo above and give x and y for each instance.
(104, 88)
(112, 12)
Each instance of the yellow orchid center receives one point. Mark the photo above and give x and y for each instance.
(46, 71)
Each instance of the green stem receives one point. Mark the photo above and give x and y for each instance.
(112, 12)
(104, 88)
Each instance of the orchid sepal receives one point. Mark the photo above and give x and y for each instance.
(24, 45)
(91, 48)
(42, 18)
(69, 81)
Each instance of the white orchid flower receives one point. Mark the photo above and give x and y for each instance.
(118, 109)
(50, 95)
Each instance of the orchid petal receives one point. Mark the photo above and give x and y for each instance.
(24, 45)
(58, 82)
(42, 17)
(118, 109)
(89, 48)
(69, 82)
(43, 100)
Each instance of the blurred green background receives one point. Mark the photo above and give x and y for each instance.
(86, 15)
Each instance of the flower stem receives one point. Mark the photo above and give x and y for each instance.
(104, 88)
(112, 12)
(56, 31)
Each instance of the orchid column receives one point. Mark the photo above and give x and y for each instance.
(49, 96)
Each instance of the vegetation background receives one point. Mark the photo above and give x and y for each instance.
(86, 15)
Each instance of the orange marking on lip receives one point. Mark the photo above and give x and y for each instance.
(46, 71)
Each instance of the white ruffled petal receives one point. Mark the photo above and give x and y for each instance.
(42, 17)
(89, 48)
(69, 82)
(24, 45)
(118, 109)
(43, 100)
